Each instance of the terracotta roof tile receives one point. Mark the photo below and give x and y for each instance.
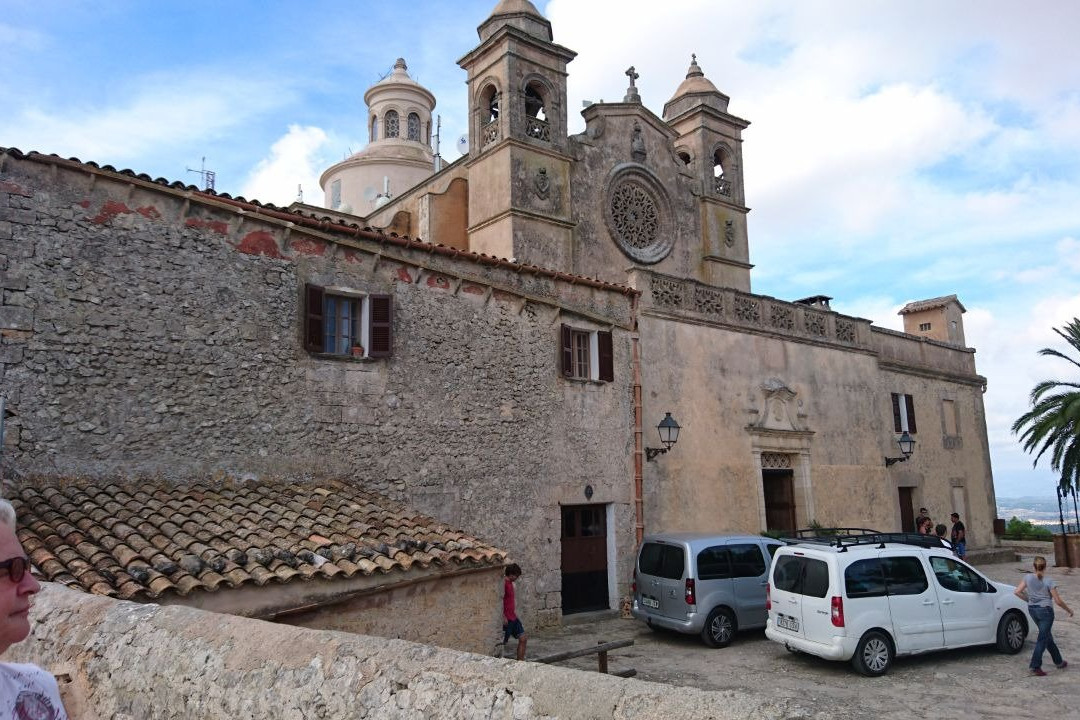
(141, 542)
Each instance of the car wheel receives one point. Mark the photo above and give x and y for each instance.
(873, 655)
(1011, 633)
(719, 628)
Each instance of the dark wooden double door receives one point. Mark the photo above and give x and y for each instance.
(584, 558)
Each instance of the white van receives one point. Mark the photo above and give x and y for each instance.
(870, 598)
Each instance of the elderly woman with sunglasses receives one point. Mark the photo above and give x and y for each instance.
(26, 691)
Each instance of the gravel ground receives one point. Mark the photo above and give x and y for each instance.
(968, 683)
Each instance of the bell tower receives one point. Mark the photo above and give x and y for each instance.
(710, 143)
(519, 169)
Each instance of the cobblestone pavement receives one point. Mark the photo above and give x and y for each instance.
(968, 683)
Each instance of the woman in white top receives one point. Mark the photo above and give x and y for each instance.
(26, 691)
(1041, 593)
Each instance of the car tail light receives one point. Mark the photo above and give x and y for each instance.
(633, 583)
(838, 611)
(690, 599)
(768, 596)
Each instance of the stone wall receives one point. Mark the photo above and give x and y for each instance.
(760, 383)
(463, 612)
(145, 662)
(155, 330)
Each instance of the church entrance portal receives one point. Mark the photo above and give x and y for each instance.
(584, 558)
(779, 486)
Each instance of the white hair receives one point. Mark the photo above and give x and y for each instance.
(7, 514)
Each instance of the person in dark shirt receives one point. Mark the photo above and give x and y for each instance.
(923, 514)
(958, 536)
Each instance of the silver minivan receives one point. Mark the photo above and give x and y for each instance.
(703, 583)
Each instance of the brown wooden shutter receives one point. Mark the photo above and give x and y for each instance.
(607, 356)
(567, 352)
(313, 318)
(910, 413)
(381, 342)
(896, 413)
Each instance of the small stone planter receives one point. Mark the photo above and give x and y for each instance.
(1073, 559)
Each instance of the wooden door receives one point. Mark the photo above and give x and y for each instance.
(584, 558)
(907, 510)
(779, 488)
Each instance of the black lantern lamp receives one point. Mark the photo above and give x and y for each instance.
(907, 446)
(669, 435)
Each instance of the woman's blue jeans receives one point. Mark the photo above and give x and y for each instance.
(1044, 618)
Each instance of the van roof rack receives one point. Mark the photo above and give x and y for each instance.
(844, 538)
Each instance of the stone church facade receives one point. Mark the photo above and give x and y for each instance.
(494, 346)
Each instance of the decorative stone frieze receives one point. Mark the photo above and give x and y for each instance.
(815, 323)
(666, 291)
(782, 316)
(748, 310)
(775, 461)
(845, 330)
(708, 301)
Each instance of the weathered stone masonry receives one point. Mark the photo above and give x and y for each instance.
(157, 330)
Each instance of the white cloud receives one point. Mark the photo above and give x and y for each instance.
(159, 111)
(294, 162)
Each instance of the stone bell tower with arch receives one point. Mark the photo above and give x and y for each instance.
(710, 144)
(519, 166)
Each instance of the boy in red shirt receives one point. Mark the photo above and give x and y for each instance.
(512, 625)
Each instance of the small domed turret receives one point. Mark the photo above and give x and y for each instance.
(399, 152)
(696, 89)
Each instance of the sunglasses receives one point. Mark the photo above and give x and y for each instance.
(16, 568)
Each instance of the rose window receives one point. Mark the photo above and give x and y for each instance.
(635, 218)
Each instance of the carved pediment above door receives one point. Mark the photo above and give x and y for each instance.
(782, 408)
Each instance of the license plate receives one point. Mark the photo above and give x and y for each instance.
(788, 623)
(650, 602)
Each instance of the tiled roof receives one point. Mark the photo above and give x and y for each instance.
(139, 541)
(327, 223)
(920, 305)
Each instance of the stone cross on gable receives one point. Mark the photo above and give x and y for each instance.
(631, 92)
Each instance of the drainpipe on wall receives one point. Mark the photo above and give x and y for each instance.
(639, 507)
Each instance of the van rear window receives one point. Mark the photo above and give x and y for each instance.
(801, 575)
(666, 561)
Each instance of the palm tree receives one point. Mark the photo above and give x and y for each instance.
(1053, 422)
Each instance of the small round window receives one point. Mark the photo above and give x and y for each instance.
(636, 212)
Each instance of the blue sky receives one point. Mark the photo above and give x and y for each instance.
(897, 151)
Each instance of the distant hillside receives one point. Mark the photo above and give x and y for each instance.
(1040, 510)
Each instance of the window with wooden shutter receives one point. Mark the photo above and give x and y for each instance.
(566, 336)
(381, 341)
(903, 407)
(607, 356)
(910, 407)
(313, 322)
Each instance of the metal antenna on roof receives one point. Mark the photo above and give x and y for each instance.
(438, 131)
(206, 176)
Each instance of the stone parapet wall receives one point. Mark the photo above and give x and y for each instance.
(147, 662)
(708, 304)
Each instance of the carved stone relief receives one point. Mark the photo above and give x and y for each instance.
(637, 145)
(542, 183)
(729, 233)
(708, 301)
(782, 317)
(775, 461)
(781, 408)
(666, 292)
(747, 310)
(815, 323)
(845, 330)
